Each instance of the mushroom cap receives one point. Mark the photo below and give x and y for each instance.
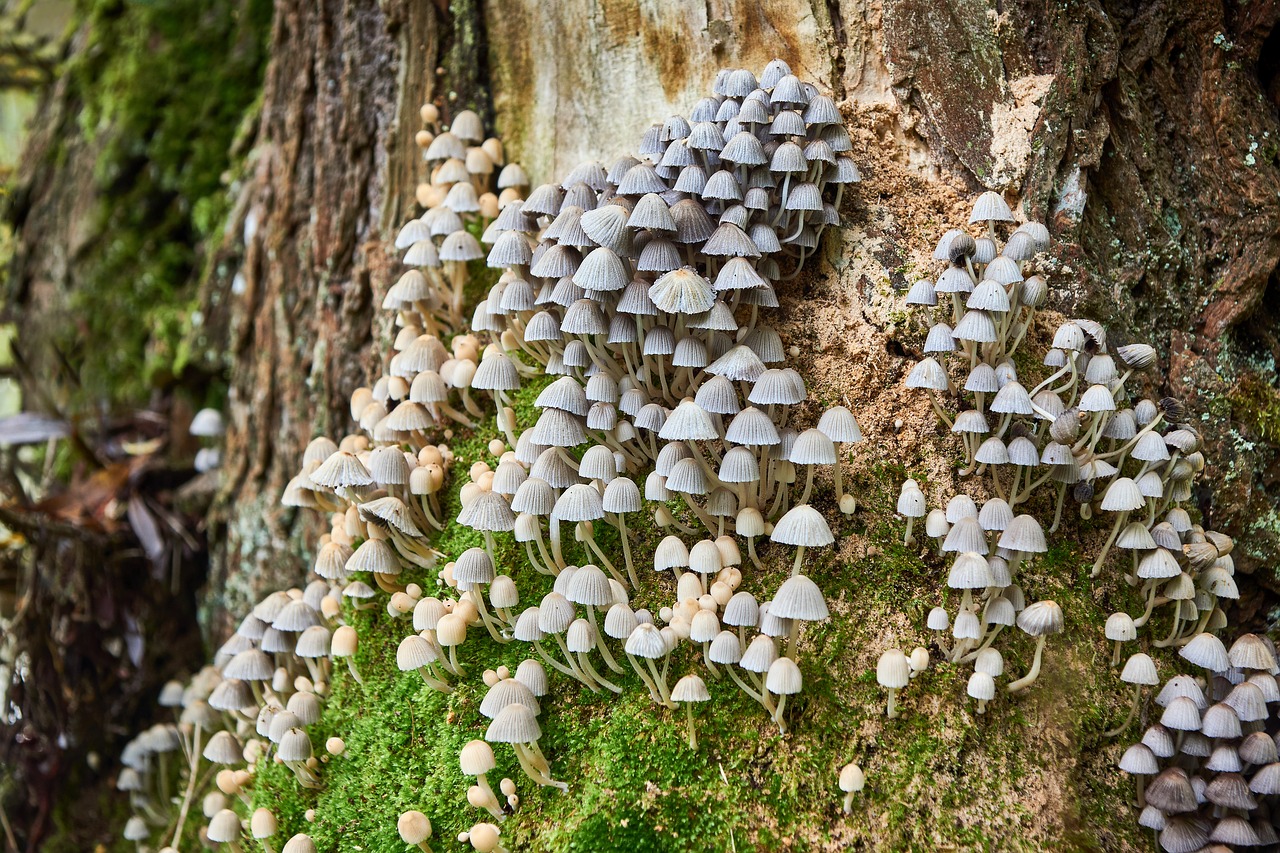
(981, 686)
(760, 654)
(784, 677)
(1139, 760)
(224, 827)
(852, 778)
(646, 641)
(294, 745)
(1250, 652)
(799, 598)
(1120, 628)
(893, 670)
(1171, 792)
(1207, 651)
(1139, 669)
(802, 525)
(515, 723)
(223, 748)
(414, 827)
(476, 758)
(1041, 619)
(263, 824)
(300, 843)
(690, 688)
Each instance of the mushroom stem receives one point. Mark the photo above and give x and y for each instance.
(434, 682)
(526, 757)
(742, 684)
(777, 713)
(836, 474)
(711, 667)
(1115, 655)
(590, 670)
(577, 671)
(688, 716)
(1173, 628)
(305, 776)
(751, 550)
(453, 661)
(907, 538)
(1102, 555)
(555, 543)
(604, 649)
(191, 783)
(1027, 680)
(555, 664)
(848, 802)
(1151, 604)
(626, 550)
(590, 539)
(355, 673)
(493, 630)
(661, 682)
(648, 682)
(534, 561)
(1133, 712)
(808, 484)
(891, 709)
(553, 568)
(795, 568)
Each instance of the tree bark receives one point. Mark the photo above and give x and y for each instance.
(1146, 135)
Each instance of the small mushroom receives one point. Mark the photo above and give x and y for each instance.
(690, 690)
(1040, 620)
(893, 672)
(852, 780)
(415, 829)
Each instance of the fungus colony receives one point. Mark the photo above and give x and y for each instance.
(1086, 438)
(632, 295)
(639, 288)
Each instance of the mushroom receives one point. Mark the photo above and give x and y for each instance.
(839, 425)
(690, 689)
(262, 826)
(517, 725)
(1040, 620)
(646, 641)
(294, 750)
(852, 781)
(783, 680)
(911, 505)
(982, 687)
(225, 829)
(804, 527)
(415, 828)
(893, 672)
(476, 759)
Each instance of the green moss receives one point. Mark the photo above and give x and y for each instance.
(938, 775)
(165, 86)
(1256, 404)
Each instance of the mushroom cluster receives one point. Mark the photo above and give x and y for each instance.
(1083, 429)
(1208, 771)
(636, 291)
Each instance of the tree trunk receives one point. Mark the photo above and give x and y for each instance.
(1148, 137)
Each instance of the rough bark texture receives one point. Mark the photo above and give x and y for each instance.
(1146, 132)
